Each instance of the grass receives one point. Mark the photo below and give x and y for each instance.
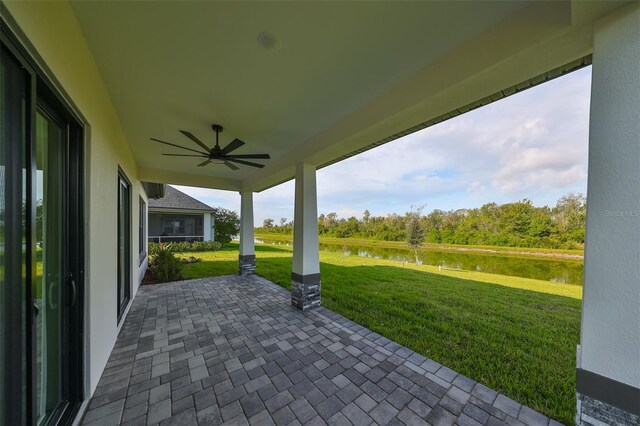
(515, 335)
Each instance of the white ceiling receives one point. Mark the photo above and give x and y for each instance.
(345, 75)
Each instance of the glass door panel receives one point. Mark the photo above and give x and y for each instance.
(124, 244)
(49, 292)
(15, 90)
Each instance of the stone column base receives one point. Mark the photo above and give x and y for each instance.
(247, 264)
(591, 412)
(604, 401)
(305, 291)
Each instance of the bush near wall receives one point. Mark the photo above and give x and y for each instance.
(164, 266)
(185, 247)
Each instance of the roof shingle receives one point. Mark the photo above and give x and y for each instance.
(174, 199)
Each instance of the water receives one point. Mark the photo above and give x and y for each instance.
(563, 271)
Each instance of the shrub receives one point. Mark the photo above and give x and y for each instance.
(227, 225)
(164, 265)
(153, 248)
(185, 246)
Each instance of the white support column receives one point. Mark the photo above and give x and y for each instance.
(206, 226)
(608, 373)
(247, 257)
(305, 277)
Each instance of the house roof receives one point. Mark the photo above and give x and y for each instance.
(174, 199)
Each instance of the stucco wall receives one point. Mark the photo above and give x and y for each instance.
(53, 31)
(611, 305)
(207, 226)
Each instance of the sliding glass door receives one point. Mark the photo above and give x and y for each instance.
(51, 290)
(16, 86)
(41, 254)
(124, 243)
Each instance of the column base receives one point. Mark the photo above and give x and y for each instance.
(592, 412)
(305, 291)
(247, 264)
(604, 401)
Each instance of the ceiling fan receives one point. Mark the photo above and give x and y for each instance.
(217, 154)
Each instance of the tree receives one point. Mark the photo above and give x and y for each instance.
(540, 225)
(434, 226)
(321, 228)
(570, 212)
(283, 221)
(227, 225)
(415, 230)
(517, 224)
(267, 223)
(331, 219)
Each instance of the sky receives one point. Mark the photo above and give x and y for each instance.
(530, 145)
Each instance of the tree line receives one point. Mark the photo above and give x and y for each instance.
(518, 224)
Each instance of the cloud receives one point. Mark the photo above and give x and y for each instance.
(476, 187)
(530, 145)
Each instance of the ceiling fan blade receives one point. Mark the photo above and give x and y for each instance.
(204, 163)
(196, 140)
(185, 155)
(248, 163)
(231, 166)
(178, 146)
(256, 156)
(233, 145)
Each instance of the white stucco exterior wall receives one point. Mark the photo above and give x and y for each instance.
(306, 257)
(53, 31)
(610, 340)
(207, 225)
(247, 239)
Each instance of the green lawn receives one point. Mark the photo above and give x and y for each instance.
(515, 335)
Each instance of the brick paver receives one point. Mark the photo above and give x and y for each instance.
(232, 349)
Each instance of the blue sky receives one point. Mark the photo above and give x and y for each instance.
(530, 145)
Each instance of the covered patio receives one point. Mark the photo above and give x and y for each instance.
(233, 350)
(120, 97)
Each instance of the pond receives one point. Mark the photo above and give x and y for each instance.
(563, 271)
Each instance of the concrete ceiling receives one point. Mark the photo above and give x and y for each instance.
(342, 75)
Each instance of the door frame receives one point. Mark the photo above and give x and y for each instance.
(122, 305)
(19, 336)
(73, 254)
(47, 92)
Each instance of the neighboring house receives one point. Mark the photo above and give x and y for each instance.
(179, 217)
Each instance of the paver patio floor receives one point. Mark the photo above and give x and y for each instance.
(232, 350)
